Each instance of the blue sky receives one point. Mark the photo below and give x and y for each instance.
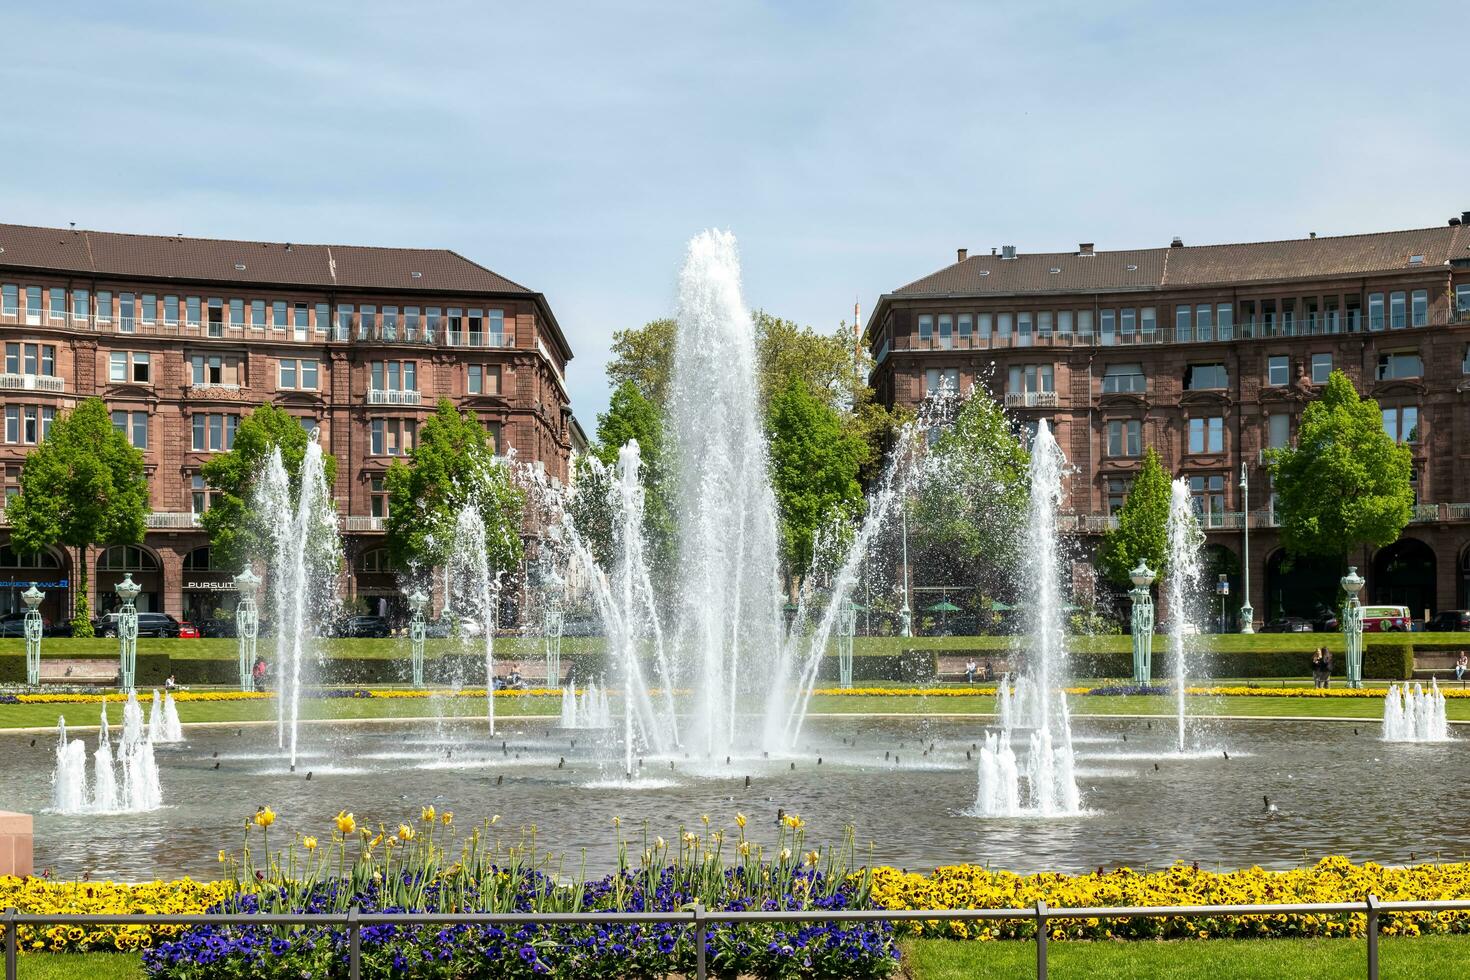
(851, 147)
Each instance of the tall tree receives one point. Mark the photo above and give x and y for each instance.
(971, 503)
(452, 466)
(1346, 483)
(644, 357)
(814, 471)
(1142, 533)
(83, 485)
(237, 533)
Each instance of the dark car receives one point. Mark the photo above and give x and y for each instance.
(218, 629)
(14, 624)
(1288, 624)
(149, 624)
(363, 626)
(1450, 621)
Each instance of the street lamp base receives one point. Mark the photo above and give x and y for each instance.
(1247, 615)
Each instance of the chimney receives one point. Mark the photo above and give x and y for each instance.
(1084, 248)
(1465, 217)
(1454, 222)
(1312, 235)
(992, 251)
(1008, 251)
(961, 254)
(1177, 242)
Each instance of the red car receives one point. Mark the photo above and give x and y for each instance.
(188, 631)
(1386, 619)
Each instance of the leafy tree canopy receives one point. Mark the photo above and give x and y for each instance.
(1142, 533)
(83, 485)
(814, 469)
(452, 466)
(1346, 483)
(237, 533)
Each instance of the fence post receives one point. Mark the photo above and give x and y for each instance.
(354, 945)
(1040, 939)
(12, 941)
(1372, 937)
(699, 935)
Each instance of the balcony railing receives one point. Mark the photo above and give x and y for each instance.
(393, 396)
(1031, 399)
(488, 338)
(32, 382)
(357, 522)
(171, 519)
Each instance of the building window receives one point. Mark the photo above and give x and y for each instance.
(257, 314)
(1402, 424)
(395, 375)
(1026, 378)
(278, 314)
(410, 322)
(1206, 377)
(1402, 364)
(393, 437)
(1375, 311)
(30, 359)
(1084, 325)
(1064, 323)
(1321, 368)
(1125, 437)
(148, 308)
(1462, 297)
(1398, 316)
(1420, 307)
(1107, 327)
(1127, 322)
(1225, 321)
(941, 381)
(323, 317)
(1278, 370)
(390, 323)
(237, 313)
(124, 366)
(1003, 326)
(367, 321)
(1117, 488)
(1207, 493)
(1204, 325)
(1124, 379)
(201, 498)
(946, 331)
(81, 304)
(297, 373)
(1278, 431)
(26, 425)
(9, 299)
(56, 304)
(378, 496)
(192, 309)
(133, 426)
(215, 369)
(1148, 322)
(300, 320)
(214, 432)
(926, 327)
(1182, 318)
(1023, 329)
(966, 325)
(216, 317)
(1207, 435)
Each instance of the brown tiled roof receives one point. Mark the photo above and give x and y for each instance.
(103, 253)
(1200, 265)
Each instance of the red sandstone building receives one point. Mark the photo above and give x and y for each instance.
(183, 337)
(1209, 354)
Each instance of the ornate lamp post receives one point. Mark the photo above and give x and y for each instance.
(1142, 624)
(127, 631)
(1247, 614)
(1352, 626)
(846, 627)
(416, 601)
(551, 627)
(247, 626)
(32, 598)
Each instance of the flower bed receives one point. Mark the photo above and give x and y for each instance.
(1333, 879)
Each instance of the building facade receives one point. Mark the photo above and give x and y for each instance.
(1209, 354)
(183, 337)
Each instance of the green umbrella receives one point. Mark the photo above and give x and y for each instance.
(943, 606)
(1003, 607)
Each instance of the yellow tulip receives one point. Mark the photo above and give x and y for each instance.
(705, 818)
(309, 843)
(264, 817)
(428, 814)
(495, 820)
(222, 857)
(346, 823)
(446, 818)
(740, 820)
(405, 833)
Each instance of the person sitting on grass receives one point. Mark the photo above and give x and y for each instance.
(970, 667)
(1462, 664)
(513, 680)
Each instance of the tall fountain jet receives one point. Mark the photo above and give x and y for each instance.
(1185, 570)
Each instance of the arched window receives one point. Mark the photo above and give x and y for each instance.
(127, 558)
(9, 558)
(201, 560)
(375, 561)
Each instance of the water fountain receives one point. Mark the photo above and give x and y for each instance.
(163, 720)
(1186, 542)
(1037, 704)
(123, 783)
(1414, 714)
(474, 591)
(590, 709)
(305, 563)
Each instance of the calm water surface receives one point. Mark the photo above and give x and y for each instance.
(1336, 792)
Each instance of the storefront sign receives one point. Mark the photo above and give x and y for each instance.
(226, 586)
(63, 584)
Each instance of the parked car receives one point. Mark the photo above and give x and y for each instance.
(1451, 621)
(149, 624)
(14, 624)
(363, 626)
(1387, 619)
(1288, 624)
(218, 628)
(188, 631)
(106, 624)
(1325, 621)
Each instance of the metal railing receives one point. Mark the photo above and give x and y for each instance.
(1031, 399)
(171, 519)
(32, 382)
(700, 918)
(358, 522)
(393, 396)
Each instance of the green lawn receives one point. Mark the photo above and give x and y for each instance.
(81, 966)
(1420, 958)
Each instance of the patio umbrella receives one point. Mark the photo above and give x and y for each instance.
(944, 607)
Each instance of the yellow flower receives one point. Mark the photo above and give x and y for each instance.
(446, 818)
(264, 817)
(617, 822)
(222, 857)
(793, 821)
(740, 820)
(705, 818)
(744, 848)
(405, 833)
(812, 858)
(309, 843)
(375, 841)
(495, 820)
(428, 814)
(785, 854)
(346, 823)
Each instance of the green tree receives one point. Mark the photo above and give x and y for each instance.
(644, 357)
(452, 466)
(82, 486)
(970, 508)
(237, 533)
(1346, 482)
(814, 471)
(1142, 533)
